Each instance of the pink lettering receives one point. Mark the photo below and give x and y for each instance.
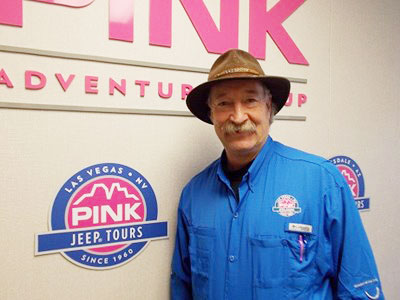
(161, 93)
(289, 100)
(214, 40)
(114, 85)
(91, 84)
(11, 12)
(143, 84)
(121, 20)
(262, 21)
(39, 76)
(301, 99)
(160, 22)
(4, 79)
(185, 90)
(64, 84)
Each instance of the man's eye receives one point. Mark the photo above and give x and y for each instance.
(222, 103)
(251, 101)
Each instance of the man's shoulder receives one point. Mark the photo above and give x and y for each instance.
(305, 159)
(294, 154)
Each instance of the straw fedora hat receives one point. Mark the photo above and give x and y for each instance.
(235, 64)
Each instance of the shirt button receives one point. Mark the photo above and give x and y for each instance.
(235, 215)
(231, 258)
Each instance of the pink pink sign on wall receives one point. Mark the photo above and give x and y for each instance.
(121, 20)
(262, 21)
(216, 39)
(11, 10)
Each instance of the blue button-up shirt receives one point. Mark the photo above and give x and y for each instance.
(295, 233)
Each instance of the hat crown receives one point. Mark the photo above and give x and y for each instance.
(235, 63)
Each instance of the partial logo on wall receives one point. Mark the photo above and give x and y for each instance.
(102, 217)
(354, 178)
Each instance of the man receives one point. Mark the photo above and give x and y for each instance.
(265, 221)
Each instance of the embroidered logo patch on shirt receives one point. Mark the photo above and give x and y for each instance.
(286, 206)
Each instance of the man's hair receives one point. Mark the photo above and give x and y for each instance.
(273, 109)
(268, 97)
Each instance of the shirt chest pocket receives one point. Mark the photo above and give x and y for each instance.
(201, 247)
(269, 260)
(282, 267)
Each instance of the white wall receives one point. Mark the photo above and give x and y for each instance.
(352, 110)
(365, 115)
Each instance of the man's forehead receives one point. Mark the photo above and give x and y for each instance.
(246, 86)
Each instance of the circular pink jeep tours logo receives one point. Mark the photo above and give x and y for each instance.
(286, 206)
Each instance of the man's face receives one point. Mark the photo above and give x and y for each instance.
(240, 112)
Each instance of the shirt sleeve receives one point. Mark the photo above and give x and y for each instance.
(181, 287)
(355, 275)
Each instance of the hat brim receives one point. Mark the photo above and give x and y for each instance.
(197, 99)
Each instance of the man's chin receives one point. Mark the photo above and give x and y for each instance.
(241, 148)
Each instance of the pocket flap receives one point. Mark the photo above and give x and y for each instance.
(201, 238)
(267, 242)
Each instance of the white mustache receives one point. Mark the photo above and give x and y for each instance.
(246, 127)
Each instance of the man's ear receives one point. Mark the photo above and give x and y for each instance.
(210, 115)
(268, 103)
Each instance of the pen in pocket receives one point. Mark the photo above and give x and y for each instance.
(302, 244)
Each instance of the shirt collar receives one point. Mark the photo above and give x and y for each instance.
(260, 161)
(251, 174)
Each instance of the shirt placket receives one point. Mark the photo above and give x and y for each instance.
(233, 254)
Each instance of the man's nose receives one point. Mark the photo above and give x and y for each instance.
(238, 114)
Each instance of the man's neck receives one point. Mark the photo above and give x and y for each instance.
(239, 159)
(236, 162)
